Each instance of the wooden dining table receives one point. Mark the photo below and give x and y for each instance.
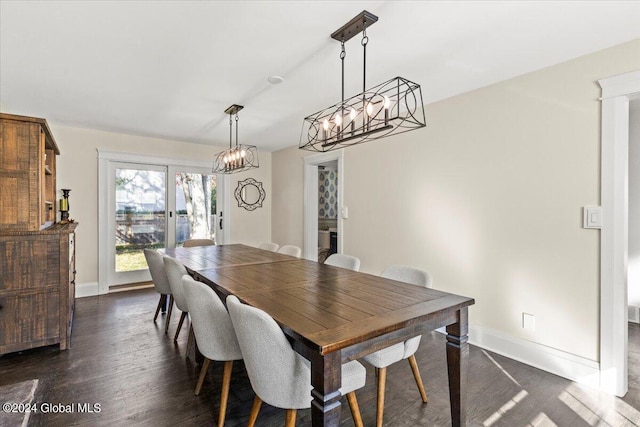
(333, 315)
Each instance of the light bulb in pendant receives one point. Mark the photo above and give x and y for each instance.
(338, 120)
(387, 103)
(369, 109)
(243, 153)
(352, 114)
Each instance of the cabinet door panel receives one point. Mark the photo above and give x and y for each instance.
(32, 263)
(29, 320)
(15, 203)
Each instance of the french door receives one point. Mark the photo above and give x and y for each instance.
(194, 204)
(153, 205)
(138, 219)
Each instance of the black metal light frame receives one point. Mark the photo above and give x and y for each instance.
(238, 158)
(390, 108)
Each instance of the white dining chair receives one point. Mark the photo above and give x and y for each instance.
(175, 271)
(290, 250)
(404, 350)
(269, 246)
(160, 281)
(279, 376)
(190, 243)
(214, 333)
(344, 261)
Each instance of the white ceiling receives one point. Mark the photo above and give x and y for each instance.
(169, 69)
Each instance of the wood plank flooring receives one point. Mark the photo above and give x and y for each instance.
(123, 361)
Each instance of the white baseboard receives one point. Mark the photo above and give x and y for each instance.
(87, 289)
(634, 314)
(558, 362)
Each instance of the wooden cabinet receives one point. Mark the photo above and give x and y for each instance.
(37, 287)
(37, 255)
(27, 174)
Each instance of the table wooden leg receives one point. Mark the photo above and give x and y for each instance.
(457, 364)
(326, 376)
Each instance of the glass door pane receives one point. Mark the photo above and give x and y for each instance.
(140, 220)
(196, 204)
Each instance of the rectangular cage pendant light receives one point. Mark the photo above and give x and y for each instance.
(390, 108)
(239, 157)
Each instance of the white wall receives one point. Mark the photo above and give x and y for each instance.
(287, 222)
(488, 198)
(77, 169)
(634, 204)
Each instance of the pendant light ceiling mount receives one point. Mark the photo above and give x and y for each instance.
(390, 108)
(238, 158)
(355, 26)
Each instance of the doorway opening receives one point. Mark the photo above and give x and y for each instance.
(323, 222)
(327, 209)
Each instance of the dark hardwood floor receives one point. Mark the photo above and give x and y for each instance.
(123, 361)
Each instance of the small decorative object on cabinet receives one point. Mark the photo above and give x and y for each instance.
(64, 206)
(37, 255)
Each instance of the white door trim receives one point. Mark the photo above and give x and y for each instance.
(616, 92)
(311, 162)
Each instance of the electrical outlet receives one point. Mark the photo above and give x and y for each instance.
(529, 322)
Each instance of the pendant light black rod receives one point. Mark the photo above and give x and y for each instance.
(236, 130)
(343, 53)
(230, 131)
(364, 42)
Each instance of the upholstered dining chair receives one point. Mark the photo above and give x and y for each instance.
(343, 261)
(269, 246)
(175, 271)
(160, 281)
(290, 250)
(404, 350)
(279, 376)
(214, 333)
(190, 243)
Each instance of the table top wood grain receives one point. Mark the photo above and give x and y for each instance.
(329, 307)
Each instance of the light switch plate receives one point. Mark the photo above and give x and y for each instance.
(592, 217)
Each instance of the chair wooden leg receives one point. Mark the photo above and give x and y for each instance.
(382, 381)
(182, 317)
(254, 412)
(224, 396)
(355, 410)
(168, 319)
(162, 300)
(290, 418)
(190, 340)
(203, 374)
(416, 375)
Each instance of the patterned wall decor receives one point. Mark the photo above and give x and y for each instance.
(328, 194)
